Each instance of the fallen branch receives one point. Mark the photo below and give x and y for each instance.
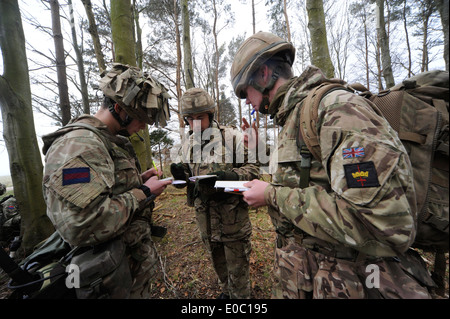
(191, 243)
(169, 284)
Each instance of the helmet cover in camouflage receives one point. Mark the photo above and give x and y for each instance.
(253, 53)
(196, 100)
(139, 94)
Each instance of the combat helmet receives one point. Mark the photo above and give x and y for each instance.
(196, 100)
(252, 54)
(140, 95)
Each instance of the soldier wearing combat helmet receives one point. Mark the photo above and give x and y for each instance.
(329, 226)
(222, 218)
(92, 185)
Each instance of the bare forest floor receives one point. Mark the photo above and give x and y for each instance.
(186, 271)
(186, 268)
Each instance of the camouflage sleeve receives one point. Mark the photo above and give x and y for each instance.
(246, 165)
(78, 182)
(368, 204)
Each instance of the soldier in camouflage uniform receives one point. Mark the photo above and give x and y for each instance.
(222, 218)
(342, 236)
(10, 220)
(92, 184)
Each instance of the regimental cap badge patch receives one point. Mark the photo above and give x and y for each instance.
(361, 175)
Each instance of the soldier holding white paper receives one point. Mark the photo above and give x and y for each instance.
(222, 217)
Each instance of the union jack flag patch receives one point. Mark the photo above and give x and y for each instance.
(353, 152)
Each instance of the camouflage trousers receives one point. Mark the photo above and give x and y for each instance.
(225, 230)
(231, 262)
(143, 258)
(301, 273)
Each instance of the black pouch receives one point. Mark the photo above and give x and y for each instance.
(190, 194)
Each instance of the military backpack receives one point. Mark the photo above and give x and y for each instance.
(417, 109)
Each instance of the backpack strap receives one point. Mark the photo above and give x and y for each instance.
(438, 273)
(305, 165)
(309, 115)
(442, 107)
(308, 140)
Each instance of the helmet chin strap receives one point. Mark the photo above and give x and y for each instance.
(264, 106)
(123, 123)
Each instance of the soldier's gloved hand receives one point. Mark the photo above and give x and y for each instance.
(177, 170)
(225, 175)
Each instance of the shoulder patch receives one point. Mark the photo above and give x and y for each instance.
(77, 175)
(77, 182)
(361, 175)
(353, 152)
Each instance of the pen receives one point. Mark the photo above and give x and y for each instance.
(235, 190)
(154, 166)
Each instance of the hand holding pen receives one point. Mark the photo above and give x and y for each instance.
(250, 133)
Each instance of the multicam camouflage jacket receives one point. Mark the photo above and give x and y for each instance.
(361, 193)
(219, 149)
(90, 183)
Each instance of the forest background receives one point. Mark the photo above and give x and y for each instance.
(50, 70)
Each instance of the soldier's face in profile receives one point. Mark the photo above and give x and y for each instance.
(135, 126)
(253, 97)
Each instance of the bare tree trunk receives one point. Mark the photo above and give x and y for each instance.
(122, 32)
(178, 71)
(366, 43)
(124, 48)
(288, 29)
(379, 67)
(384, 45)
(319, 44)
(160, 157)
(187, 59)
(216, 64)
(94, 34)
(19, 130)
(425, 60)
(139, 54)
(407, 39)
(443, 8)
(63, 88)
(427, 10)
(80, 64)
(253, 17)
(254, 31)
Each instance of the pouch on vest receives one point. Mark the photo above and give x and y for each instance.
(104, 271)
